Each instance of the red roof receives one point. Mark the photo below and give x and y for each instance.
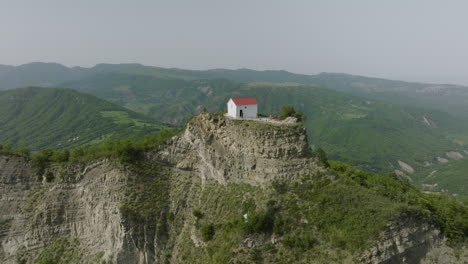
(244, 101)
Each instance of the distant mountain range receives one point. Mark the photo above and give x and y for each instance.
(445, 97)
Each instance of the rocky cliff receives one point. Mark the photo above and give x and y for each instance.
(80, 210)
(234, 151)
(108, 212)
(411, 239)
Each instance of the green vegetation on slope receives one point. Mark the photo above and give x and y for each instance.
(124, 150)
(167, 100)
(147, 200)
(448, 213)
(451, 177)
(371, 134)
(35, 118)
(9, 150)
(320, 219)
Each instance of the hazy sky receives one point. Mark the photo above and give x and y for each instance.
(421, 40)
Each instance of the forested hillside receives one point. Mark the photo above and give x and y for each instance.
(35, 118)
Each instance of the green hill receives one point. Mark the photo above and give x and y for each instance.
(35, 118)
(38, 74)
(168, 100)
(372, 134)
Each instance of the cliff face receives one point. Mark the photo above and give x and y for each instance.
(105, 211)
(411, 239)
(81, 209)
(234, 151)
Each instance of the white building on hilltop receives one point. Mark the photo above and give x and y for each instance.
(243, 107)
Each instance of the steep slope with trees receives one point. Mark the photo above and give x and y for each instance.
(51, 117)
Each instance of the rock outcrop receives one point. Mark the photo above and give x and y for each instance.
(411, 239)
(406, 167)
(82, 207)
(230, 150)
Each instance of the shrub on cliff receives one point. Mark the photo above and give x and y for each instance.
(41, 160)
(197, 213)
(125, 150)
(289, 111)
(322, 156)
(207, 231)
(9, 150)
(260, 222)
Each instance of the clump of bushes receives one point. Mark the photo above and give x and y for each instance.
(260, 222)
(289, 111)
(280, 187)
(207, 231)
(9, 150)
(124, 150)
(322, 157)
(197, 213)
(303, 241)
(49, 176)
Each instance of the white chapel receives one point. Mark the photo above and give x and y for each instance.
(242, 107)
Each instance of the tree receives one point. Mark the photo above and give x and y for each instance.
(289, 111)
(41, 160)
(322, 156)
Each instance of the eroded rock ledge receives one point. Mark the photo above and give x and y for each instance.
(411, 239)
(246, 151)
